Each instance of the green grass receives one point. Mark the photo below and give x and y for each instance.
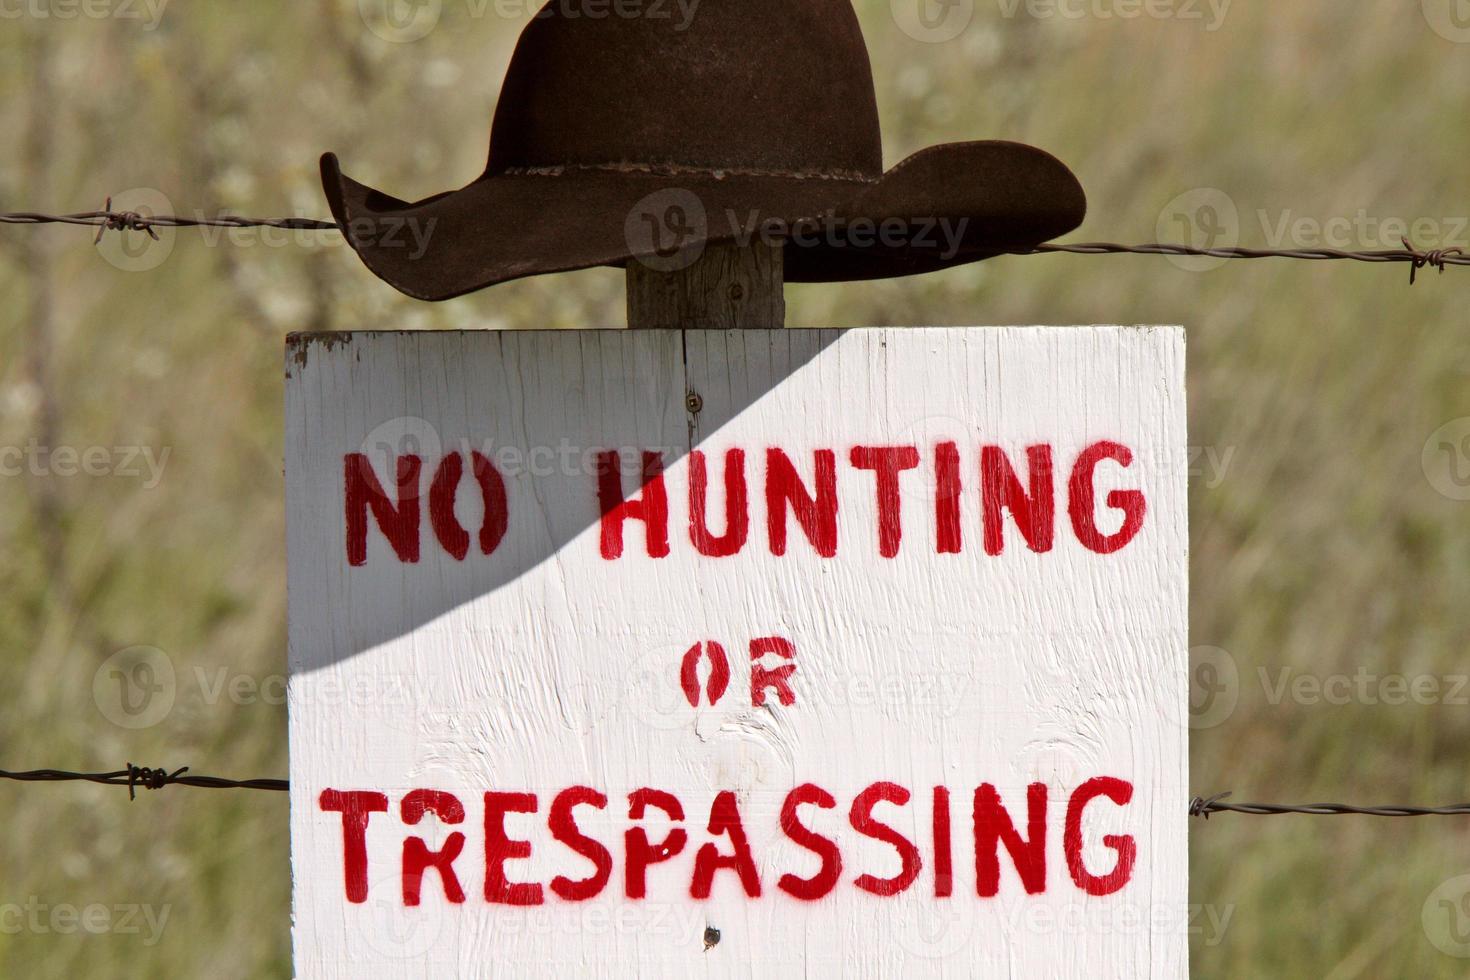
(1323, 548)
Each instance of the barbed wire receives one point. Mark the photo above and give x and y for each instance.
(107, 220)
(134, 776)
(1201, 806)
(1417, 259)
(1204, 806)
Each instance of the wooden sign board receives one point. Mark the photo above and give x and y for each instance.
(771, 653)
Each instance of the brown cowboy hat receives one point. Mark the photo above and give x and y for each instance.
(634, 130)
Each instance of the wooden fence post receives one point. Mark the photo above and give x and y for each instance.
(729, 287)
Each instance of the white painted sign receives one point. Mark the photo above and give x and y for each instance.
(776, 654)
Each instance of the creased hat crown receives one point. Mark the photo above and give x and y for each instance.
(782, 87)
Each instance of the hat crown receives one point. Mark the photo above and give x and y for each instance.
(760, 86)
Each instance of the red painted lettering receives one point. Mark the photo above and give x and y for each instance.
(563, 824)
(499, 848)
(445, 490)
(887, 462)
(861, 818)
(724, 818)
(1081, 500)
(417, 857)
(356, 810)
(639, 853)
(737, 506)
(1120, 792)
(993, 827)
(819, 885)
(1000, 490)
(777, 678)
(719, 672)
(652, 508)
(947, 490)
(817, 514)
(943, 845)
(399, 523)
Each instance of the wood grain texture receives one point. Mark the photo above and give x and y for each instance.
(545, 665)
(729, 287)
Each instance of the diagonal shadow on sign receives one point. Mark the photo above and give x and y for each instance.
(540, 407)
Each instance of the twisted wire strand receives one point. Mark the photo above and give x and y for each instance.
(1205, 806)
(134, 777)
(107, 220)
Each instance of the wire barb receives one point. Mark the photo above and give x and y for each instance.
(150, 778)
(122, 221)
(1204, 806)
(1435, 258)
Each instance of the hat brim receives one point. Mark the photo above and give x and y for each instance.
(944, 206)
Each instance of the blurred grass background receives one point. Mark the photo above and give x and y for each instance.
(1319, 544)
